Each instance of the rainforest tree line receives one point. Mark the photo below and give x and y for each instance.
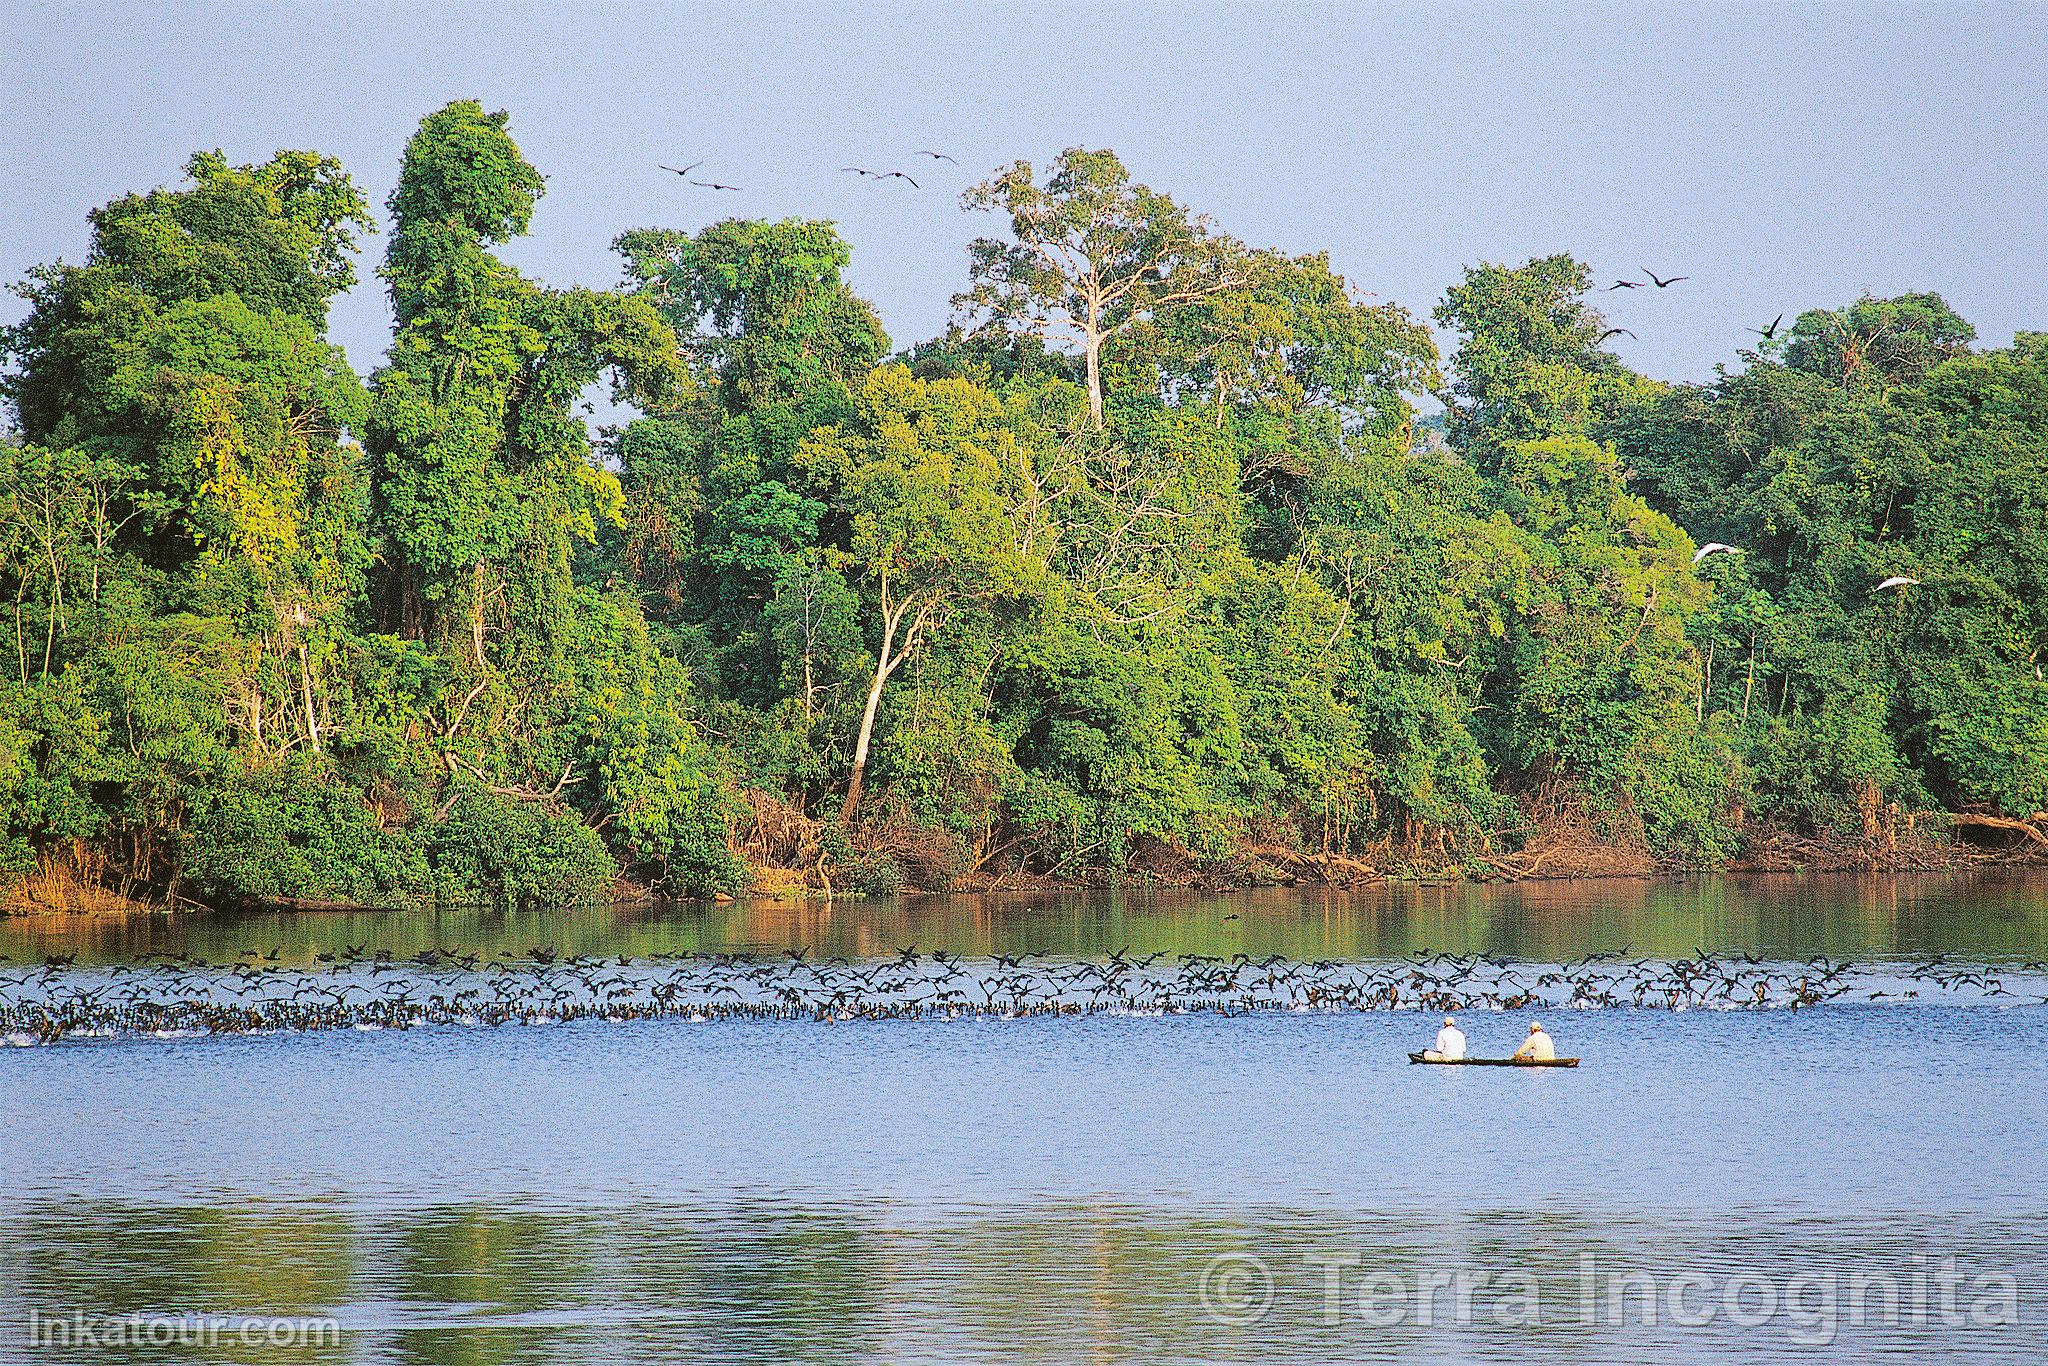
(1151, 563)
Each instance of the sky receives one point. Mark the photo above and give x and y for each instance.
(1780, 156)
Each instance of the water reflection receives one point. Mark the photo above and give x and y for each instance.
(1055, 1189)
(1994, 914)
(1055, 1282)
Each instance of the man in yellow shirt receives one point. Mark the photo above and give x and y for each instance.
(1537, 1047)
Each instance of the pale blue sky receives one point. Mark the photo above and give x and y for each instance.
(1782, 156)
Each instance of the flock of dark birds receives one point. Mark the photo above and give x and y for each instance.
(687, 172)
(167, 994)
(1655, 281)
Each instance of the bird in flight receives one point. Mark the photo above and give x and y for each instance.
(938, 156)
(1616, 332)
(712, 185)
(683, 171)
(1895, 581)
(1624, 284)
(1769, 332)
(880, 175)
(1664, 284)
(1714, 548)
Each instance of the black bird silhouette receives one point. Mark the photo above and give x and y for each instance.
(1663, 284)
(712, 185)
(937, 156)
(1624, 284)
(862, 171)
(899, 175)
(683, 171)
(1616, 332)
(1768, 332)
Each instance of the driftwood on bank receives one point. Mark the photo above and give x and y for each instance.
(2017, 827)
(1330, 867)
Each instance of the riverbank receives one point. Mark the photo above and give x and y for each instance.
(1563, 845)
(1916, 843)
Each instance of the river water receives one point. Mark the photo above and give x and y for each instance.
(1864, 1179)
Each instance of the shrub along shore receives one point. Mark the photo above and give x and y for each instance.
(1174, 559)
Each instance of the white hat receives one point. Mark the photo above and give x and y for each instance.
(1451, 1022)
(1535, 1027)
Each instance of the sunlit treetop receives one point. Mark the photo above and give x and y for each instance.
(760, 307)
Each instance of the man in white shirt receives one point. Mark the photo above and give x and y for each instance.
(1450, 1043)
(1537, 1047)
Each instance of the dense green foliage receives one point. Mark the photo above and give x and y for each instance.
(1198, 584)
(1867, 444)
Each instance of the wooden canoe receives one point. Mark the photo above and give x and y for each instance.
(1494, 1062)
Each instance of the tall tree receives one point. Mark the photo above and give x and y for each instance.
(191, 510)
(933, 486)
(761, 307)
(1090, 254)
(1298, 337)
(481, 463)
(187, 357)
(1529, 362)
(1877, 342)
(723, 525)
